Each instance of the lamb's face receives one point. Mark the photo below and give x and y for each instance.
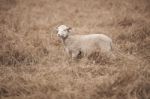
(63, 31)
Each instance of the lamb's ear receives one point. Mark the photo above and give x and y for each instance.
(56, 29)
(69, 28)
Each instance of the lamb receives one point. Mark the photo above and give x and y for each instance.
(76, 45)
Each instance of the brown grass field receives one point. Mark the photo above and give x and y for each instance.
(33, 64)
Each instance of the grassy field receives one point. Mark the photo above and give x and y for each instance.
(33, 64)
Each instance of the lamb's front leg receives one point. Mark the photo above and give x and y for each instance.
(75, 54)
(68, 52)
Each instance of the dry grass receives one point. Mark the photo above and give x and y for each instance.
(33, 64)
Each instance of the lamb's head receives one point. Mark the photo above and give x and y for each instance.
(63, 31)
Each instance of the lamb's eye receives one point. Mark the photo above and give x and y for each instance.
(65, 30)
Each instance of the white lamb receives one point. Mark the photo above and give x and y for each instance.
(76, 45)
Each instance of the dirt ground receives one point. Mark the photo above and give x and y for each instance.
(34, 65)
